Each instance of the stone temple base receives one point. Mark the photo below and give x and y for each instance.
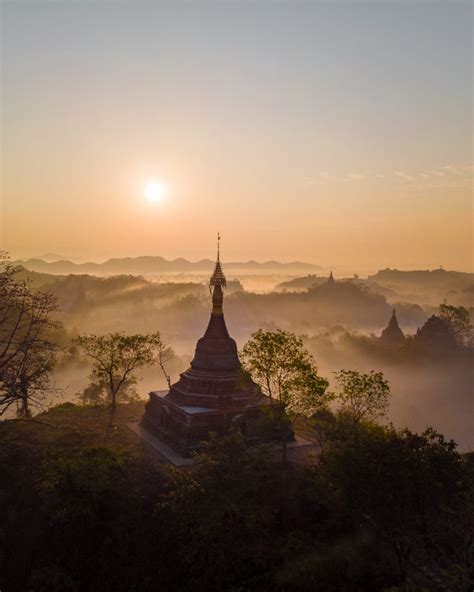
(299, 451)
(166, 452)
(185, 427)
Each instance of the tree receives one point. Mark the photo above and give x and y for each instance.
(28, 380)
(165, 354)
(365, 396)
(116, 357)
(27, 351)
(287, 374)
(412, 492)
(97, 393)
(226, 502)
(459, 322)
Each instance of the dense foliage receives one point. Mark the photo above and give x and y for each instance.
(86, 506)
(89, 509)
(459, 322)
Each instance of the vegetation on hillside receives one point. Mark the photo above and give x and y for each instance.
(93, 509)
(88, 506)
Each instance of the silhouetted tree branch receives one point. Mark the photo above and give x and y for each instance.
(27, 352)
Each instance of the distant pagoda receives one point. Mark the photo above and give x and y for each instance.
(392, 335)
(214, 394)
(435, 336)
(331, 281)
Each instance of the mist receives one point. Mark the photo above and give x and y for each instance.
(340, 325)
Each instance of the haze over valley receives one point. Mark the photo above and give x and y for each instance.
(339, 325)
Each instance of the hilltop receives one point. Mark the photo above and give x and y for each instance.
(92, 507)
(421, 287)
(434, 277)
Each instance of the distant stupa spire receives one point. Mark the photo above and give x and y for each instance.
(331, 279)
(394, 321)
(392, 335)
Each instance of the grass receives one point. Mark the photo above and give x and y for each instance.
(69, 428)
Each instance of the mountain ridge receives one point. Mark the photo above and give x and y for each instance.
(155, 264)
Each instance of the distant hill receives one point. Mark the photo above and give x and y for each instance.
(52, 257)
(158, 265)
(425, 286)
(302, 283)
(436, 277)
(35, 279)
(419, 287)
(134, 303)
(69, 286)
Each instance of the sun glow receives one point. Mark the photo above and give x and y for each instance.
(154, 190)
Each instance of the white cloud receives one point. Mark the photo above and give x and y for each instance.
(404, 175)
(453, 169)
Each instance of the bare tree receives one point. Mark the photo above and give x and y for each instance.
(29, 380)
(27, 353)
(165, 354)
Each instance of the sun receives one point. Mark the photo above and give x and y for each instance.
(154, 190)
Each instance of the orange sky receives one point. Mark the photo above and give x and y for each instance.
(339, 135)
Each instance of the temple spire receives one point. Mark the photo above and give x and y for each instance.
(392, 335)
(217, 283)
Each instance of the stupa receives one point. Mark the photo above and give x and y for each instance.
(214, 394)
(392, 336)
(435, 336)
(331, 281)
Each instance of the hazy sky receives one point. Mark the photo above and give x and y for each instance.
(331, 132)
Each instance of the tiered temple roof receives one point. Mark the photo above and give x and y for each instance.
(435, 336)
(215, 376)
(214, 394)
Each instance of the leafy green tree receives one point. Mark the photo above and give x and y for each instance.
(284, 370)
(53, 579)
(459, 322)
(383, 510)
(96, 393)
(117, 357)
(80, 491)
(219, 514)
(80, 514)
(365, 396)
(413, 492)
